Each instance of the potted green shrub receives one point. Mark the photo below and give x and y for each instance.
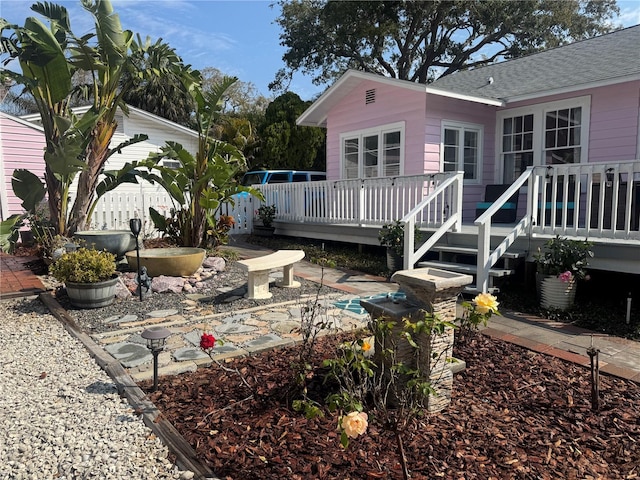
(558, 266)
(89, 276)
(392, 237)
(266, 214)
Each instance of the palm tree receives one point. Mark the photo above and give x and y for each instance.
(46, 75)
(163, 95)
(49, 57)
(203, 181)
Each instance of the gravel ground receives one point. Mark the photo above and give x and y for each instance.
(60, 414)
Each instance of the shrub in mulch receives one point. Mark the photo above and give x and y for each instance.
(514, 414)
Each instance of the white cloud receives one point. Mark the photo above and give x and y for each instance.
(629, 12)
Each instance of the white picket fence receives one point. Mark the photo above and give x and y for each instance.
(115, 208)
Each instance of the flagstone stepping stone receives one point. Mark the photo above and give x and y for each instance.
(162, 313)
(193, 337)
(227, 347)
(265, 341)
(237, 318)
(228, 328)
(189, 353)
(286, 327)
(225, 289)
(130, 354)
(111, 319)
(275, 317)
(137, 338)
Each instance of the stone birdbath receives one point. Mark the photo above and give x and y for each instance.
(429, 290)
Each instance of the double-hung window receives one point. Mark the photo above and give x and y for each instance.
(462, 149)
(517, 145)
(544, 134)
(370, 153)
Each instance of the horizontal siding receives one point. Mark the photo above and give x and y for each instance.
(392, 104)
(442, 108)
(615, 109)
(159, 133)
(21, 147)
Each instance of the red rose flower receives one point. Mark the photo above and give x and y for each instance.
(207, 341)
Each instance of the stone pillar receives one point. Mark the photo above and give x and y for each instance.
(429, 291)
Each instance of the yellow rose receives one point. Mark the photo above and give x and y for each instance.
(485, 303)
(355, 424)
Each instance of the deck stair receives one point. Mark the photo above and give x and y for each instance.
(463, 259)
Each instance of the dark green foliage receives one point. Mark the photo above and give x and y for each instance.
(285, 144)
(419, 41)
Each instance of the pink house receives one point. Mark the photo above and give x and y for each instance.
(573, 105)
(22, 147)
(487, 161)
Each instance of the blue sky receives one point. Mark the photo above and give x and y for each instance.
(237, 37)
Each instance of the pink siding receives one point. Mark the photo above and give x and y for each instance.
(613, 133)
(392, 105)
(443, 108)
(22, 147)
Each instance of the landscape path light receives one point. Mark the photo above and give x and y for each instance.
(135, 224)
(156, 338)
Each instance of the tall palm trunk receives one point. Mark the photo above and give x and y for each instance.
(97, 155)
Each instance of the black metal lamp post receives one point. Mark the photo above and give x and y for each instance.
(135, 224)
(155, 337)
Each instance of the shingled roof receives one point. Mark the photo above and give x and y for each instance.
(609, 58)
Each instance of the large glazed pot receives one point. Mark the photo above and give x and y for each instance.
(92, 295)
(173, 262)
(556, 294)
(115, 241)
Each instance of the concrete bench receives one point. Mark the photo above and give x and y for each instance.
(259, 268)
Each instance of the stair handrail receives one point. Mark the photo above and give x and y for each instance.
(454, 222)
(487, 259)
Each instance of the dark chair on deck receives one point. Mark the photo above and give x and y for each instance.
(508, 211)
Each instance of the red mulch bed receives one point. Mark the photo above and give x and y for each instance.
(514, 414)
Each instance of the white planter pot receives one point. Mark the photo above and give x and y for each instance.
(556, 294)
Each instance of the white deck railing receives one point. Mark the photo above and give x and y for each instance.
(443, 208)
(372, 201)
(602, 202)
(598, 201)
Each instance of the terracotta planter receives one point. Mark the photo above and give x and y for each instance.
(556, 294)
(92, 295)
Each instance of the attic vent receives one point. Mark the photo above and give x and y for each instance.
(120, 119)
(370, 96)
